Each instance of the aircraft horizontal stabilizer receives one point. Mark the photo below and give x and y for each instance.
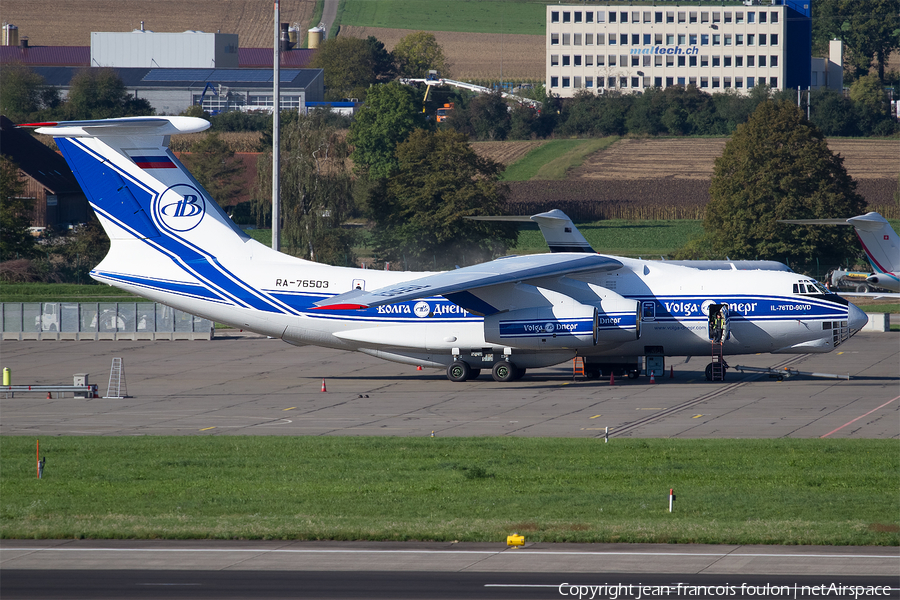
(505, 270)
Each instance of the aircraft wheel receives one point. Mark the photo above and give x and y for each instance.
(633, 374)
(709, 372)
(592, 373)
(459, 371)
(503, 371)
(863, 289)
(474, 373)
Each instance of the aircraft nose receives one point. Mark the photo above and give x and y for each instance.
(858, 318)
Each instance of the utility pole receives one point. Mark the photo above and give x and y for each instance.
(276, 144)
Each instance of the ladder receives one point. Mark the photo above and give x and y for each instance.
(577, 366)
(116, 388)
(717, 365)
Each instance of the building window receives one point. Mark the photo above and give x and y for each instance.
(578, 16)
(727, 39)
(647, 39)
(635, 39)
(670, 60)
(658, 39)
(751, 81)
(762, 16)
(716, 61)
(554, 16)
(646, 60)
(682, 61)
(601, 16)
(669, 81)
(565, 82)
(751, 62)
(670, 39)
(623, 60)
(576, 39)
(589, 16)
(692, 17)
(716, 17)
(774, 19)
(715, 82)
(589, 60)
(566, 62)
(645, 82)
(762, 39)
(738, 17)
(692, 61)
(554, 82)
(589, 39)
(600, 82)
(682, 39)
(773, 39)
(648, 16)
(610, 82)
(692, 81)
(704, 16)
(704, 82)
(601, 39)
(738, 39)
(704, 39)
(635, 61)
(635, 17)
(681, 80)
(717, 39)
(577, 60)
(762, 60)
(577, 82)
(751, 39)
(589, 81)
(658, 17)
(739, 83)
(567, 16)
(727, 85)
(728, 16)
(601, 60)
(739, 61)
(704, 61)
(623, 17)
(726, 64)
(657, 82)
(635, 82)
(554, 60)
(670, 16)
(773, 60)
(612, 60)
(567, 39)
(554, 39)
(612, 16)
(682, 17)
(623, 39)
(623, 82)
(751, 18)
(693, 39)
(612, 39)
(773, 81)
(657, 60)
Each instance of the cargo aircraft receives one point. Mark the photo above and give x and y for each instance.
(879, 241)
(171, 243)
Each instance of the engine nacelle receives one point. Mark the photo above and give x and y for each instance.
(618, 320)
(569, 325)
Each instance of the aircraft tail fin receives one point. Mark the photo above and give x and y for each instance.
(557, 228)
(879, 240)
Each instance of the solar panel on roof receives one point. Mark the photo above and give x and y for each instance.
(257, 75)
(178, 75)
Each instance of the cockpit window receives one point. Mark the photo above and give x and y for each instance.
(810, 287)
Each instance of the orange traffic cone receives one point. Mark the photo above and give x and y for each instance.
(671, 372)
(419, 368)
(652, 376)
(323, 386)
(612, 378)
(49, 397)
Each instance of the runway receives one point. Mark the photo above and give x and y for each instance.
(250, 385)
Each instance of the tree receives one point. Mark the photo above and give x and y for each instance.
(316, 191)
(349, 67)
(419, 52)
(24, 96)
(16, 240)
(391, 112)
(440, 180)
(485, 117)
(778, 166)
(99, 93)
(870, 31)
(383, 67)
(213, 163)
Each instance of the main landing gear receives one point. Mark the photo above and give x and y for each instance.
(502, 371)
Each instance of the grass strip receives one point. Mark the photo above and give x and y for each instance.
(467, 16)
(535, 161)
(783, 491)
(559, 167)
(64, 292)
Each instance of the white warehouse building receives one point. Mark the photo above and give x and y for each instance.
(713, 46)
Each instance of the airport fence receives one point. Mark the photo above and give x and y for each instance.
(100, 321)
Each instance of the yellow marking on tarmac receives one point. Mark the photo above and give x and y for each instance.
(839, 353)
(595, 416)
(291, 408)
(207, 429)
(696, 416)
(567, 383)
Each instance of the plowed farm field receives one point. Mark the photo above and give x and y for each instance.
(475, 55)
(505, 153)
(669, 178)
(70, 23)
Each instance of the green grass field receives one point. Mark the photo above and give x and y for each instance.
(785, 491)
(468, 16)
(63, 292)
(553, 159)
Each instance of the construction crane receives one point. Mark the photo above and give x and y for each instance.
(479, 89)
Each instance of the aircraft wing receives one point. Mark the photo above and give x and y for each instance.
(512, 269)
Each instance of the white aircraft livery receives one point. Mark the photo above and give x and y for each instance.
(879, 241)
(171, 243)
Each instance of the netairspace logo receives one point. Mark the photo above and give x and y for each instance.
(682, 590)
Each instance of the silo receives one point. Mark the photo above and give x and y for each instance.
(316, 37)
(10, 35)
(294, 35)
